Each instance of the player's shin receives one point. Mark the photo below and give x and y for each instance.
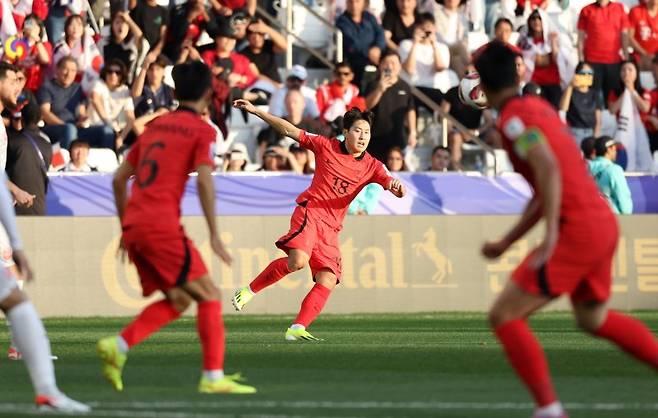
(210, 327)
(274, 272)
(528, 359)
(312, 305)
(149, 321)
(31, 340)
(631, 336)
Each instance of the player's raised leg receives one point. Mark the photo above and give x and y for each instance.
(312, 305)
(275, 271)
(508, 320)
(626, 332)
(210, 327)
(113, 350)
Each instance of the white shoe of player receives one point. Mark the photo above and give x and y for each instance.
(61, 403)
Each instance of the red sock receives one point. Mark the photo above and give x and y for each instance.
(631, 336)
(150, 320)
(274, 272)
(210, 327)
(528, 359)
(312, 305)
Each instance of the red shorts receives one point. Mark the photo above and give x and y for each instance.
(580, 266)
(318, 240)
(164, 259)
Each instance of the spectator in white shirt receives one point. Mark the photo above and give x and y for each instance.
(296, 80)
(79, 151)
(426, 60)
(452, 24)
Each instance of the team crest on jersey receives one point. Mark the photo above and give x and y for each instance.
(513, 128)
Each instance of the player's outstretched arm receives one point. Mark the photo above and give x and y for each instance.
(397, 188)
(282, 126)
(206, 188)
(120, 186)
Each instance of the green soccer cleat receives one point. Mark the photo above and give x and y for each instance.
(300, 334)
(113, 361)
(242, 297)
(229, 384)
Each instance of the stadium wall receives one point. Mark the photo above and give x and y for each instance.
(390, 264)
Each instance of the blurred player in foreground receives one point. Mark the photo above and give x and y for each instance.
(580, 238)
(161, 159)
(342, 170)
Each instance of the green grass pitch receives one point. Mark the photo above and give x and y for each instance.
(411, 365)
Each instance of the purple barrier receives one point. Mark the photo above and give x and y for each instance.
(259, 194)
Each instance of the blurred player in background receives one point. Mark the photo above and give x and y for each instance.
(580, 238)
(28, 334)
(161, 159)
(342, 170)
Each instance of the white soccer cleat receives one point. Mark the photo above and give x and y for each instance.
(60, 403)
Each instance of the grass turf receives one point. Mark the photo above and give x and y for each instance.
(411, 365)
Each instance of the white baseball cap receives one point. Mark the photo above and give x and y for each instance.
(298, 71)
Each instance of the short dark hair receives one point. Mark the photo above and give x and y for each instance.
(6, 67)
(587, 146)
(424, 18)
(79, 143)
(353, 115)
(390, 53)
(161, 61)
(440, 148)
(497, 67)
(123, 71)
(192, 79)
(343, 64)
(30, 113)
(65, 59)
(503, 20)
(581, 65)
(602, 143)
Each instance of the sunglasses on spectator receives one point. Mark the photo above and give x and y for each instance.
(344, 73)
(114, 71)
(586, 72)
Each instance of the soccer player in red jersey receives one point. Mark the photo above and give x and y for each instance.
(580, 238)
(160, 161)
(342, 170)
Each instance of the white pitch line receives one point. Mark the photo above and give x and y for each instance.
(163, 405)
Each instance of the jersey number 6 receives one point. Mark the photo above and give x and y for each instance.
(149, 163)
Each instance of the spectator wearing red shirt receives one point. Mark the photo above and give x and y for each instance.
(39, 54)
(244, 73)
(339, 96)
(602, 34)
(643, 33)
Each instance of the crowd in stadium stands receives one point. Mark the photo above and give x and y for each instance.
(95, 74)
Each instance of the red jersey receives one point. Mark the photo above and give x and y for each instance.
(173, 146)
(603, 26)
(522, 117)
(338, 177)
(645, 28)
(241, 66)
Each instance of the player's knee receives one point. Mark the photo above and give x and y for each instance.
(586, 324)
(296, 263)
(498, 317)
(180, 301)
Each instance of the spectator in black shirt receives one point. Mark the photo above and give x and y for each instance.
(398, 23)
(390, 99)
(153, 20)
(262, 52)
(468, 116)
(126, 43)
(29, 154)
(582, 104)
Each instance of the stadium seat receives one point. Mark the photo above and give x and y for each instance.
(104, 159)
